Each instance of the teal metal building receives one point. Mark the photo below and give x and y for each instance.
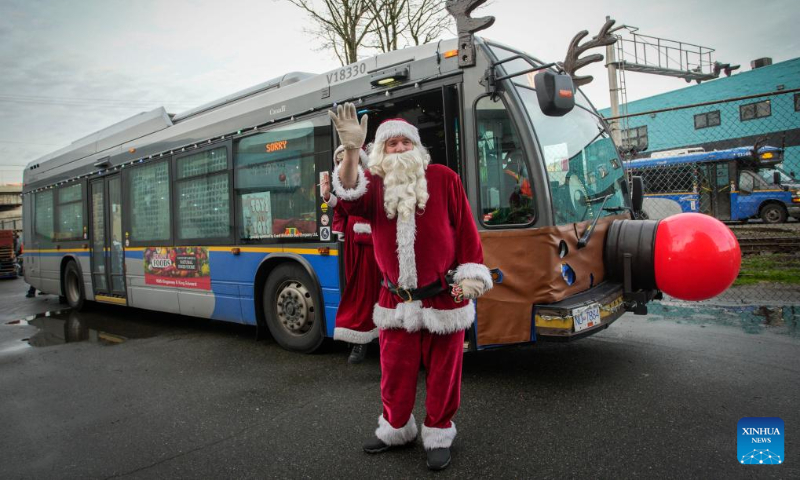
(759, 105)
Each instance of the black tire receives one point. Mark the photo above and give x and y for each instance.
(773, 213)
(292, 309)
(73, 287)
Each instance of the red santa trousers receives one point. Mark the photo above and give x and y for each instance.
(401, 354)
(362, 281)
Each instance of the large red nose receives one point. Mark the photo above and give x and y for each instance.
(696, 256)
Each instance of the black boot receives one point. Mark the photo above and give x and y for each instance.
(376, 445)
(358, 353)
(438, 458)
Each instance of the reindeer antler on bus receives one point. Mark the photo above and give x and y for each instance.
(573, 62)
(466, 26)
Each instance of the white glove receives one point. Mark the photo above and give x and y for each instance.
(471, 287)
(351, 133)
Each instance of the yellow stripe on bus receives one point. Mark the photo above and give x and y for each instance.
(115, 300)
(302, 251)
(670, 193)
(63, 250)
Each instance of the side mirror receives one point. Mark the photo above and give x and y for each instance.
(637, 193)
(776, 178)
(556, 93)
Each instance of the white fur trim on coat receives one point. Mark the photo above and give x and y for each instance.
(362, 155)
(406, 256)
(354, 336)
(352, 193)
(411, 317)
(438, 437)
(396, 436)
(331, 201)
(362, 228)
(477, 271)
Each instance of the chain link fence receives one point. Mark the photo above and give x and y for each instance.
(699, 158)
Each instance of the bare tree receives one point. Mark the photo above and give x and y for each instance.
(342, 25)
(426, 20)
(345, 26)
(389, 22)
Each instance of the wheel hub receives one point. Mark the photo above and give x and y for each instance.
(294, 308)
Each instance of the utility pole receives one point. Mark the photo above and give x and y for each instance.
(613, 90)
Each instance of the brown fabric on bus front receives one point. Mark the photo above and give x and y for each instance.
(532, 275)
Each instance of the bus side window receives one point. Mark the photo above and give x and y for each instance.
(276, 180)
(506, 196)
(43, 223)
(202, 191)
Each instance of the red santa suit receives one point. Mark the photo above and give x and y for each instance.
(362, 278)
(413, 253)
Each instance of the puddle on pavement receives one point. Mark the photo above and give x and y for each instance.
(752, 319)
(68, 326)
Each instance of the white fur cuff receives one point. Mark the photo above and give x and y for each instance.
(477, 271)
(354, 336)
(332, 201)
(438, 437)
(350, 193)
(397, 436)
(362, 228)
(411, 317)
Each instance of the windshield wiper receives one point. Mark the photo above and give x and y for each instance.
(590, 229)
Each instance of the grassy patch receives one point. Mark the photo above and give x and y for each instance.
(774, 268)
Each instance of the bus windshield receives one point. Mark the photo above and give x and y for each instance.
(581, 159)
(768, 174)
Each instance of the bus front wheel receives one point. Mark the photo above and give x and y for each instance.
(292, 309)
(773, 214)
(73, 287)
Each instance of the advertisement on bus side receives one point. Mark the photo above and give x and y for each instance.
(184, 267)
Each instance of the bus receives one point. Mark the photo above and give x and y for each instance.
(216, 212)
(736, 184)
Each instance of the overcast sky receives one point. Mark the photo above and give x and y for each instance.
(70, 68)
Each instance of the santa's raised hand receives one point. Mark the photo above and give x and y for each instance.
(351, 133)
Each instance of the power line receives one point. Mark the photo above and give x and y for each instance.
(33, 143)
(86, 102)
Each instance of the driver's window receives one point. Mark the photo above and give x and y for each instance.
(746, 183)
(506, 195)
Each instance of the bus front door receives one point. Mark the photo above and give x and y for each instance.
(108, 255)
(722, 191)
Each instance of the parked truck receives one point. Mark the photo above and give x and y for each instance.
(8, 257)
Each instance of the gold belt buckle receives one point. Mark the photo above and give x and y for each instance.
(406, 292)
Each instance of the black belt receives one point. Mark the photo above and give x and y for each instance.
(413, 294)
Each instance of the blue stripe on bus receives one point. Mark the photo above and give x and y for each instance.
(232, 284)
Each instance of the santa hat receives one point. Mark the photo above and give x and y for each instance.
(397, 127)
(362, 155)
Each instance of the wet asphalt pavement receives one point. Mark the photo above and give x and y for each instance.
(137, 394)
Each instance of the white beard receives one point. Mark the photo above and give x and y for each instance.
(404, 185)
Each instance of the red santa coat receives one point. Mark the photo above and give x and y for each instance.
(362, 279)
(418, 251)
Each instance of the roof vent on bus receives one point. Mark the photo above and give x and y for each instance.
(761, 62)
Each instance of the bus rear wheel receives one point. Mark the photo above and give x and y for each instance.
(73, 287)
(773, 214)
(292, 309)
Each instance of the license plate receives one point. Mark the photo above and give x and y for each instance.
(586, 317)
